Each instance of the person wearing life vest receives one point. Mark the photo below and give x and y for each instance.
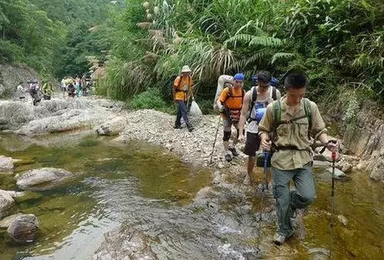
(255, 102)
(291, 128)
(182, 92)
(229, 105)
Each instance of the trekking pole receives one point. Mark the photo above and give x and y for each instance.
(332, 198)
(214, 142)
(263, 186)
(266, 157)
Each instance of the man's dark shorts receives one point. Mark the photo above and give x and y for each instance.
(252, 144)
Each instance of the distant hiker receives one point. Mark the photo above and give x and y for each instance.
(229, 104)
(286, 127)
(34, 91)
(255, 102)
(86, 84)
(182, 92)
(63, 85)
(47, 90)
(78, 86)
(20, 92)
(71, 90)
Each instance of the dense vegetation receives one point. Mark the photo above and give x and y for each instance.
(337, 43)
(54, 37)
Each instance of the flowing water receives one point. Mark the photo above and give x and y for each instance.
(149, 188)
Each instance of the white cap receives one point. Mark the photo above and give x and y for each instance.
(186, 69)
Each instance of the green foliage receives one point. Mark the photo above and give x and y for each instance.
(53, 36)
(151, 99)
(334, 42)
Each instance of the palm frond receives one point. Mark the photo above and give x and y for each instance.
(281, 56)
(251, 40)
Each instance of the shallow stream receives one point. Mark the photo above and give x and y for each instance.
(148, 187)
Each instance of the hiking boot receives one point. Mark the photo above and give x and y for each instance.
(177, 126)
(233, 151)
(190, 127)
(228, 157)
(281, 239)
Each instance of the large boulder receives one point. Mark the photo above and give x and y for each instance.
(6, 164)
(377, 173)
(6, 203)
(24, 228)
(10, 76)
(111, 127)
(41, 179)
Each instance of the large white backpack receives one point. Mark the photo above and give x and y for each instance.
(220, 86)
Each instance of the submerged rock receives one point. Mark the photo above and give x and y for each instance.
(338, 174)
(319, 253)
(41, 179)
(6, 164)
(6, 222)
(6, 203)
(125, 243)
(24, 228)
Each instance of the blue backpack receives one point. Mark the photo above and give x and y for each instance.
(273, 82)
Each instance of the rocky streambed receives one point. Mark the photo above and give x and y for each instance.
(220, 218)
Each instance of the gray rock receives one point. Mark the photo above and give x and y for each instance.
(6, 222)
(10, 76)
(319, 253)
(338, 173)
(377, 173)
(6, 203)
(125, 243)
(6, 164)
(41, 179)
(343, 220)
(24, 228)
(111, 127)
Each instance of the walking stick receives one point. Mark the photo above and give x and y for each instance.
(263, 186)
(214, 142)
(333, 156)
(332, 198)
(266, 157)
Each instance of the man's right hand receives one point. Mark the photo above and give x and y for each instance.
(266, 145)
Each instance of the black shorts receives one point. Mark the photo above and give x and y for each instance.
(252, 144)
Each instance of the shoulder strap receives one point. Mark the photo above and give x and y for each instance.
(230, 92)
(178, 85)
(274, 93)
(308, 114)
(276, 112)
(254, 97)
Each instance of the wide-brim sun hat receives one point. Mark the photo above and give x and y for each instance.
(186, 68)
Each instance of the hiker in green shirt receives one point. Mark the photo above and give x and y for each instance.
(286, 127)
(47, 90)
